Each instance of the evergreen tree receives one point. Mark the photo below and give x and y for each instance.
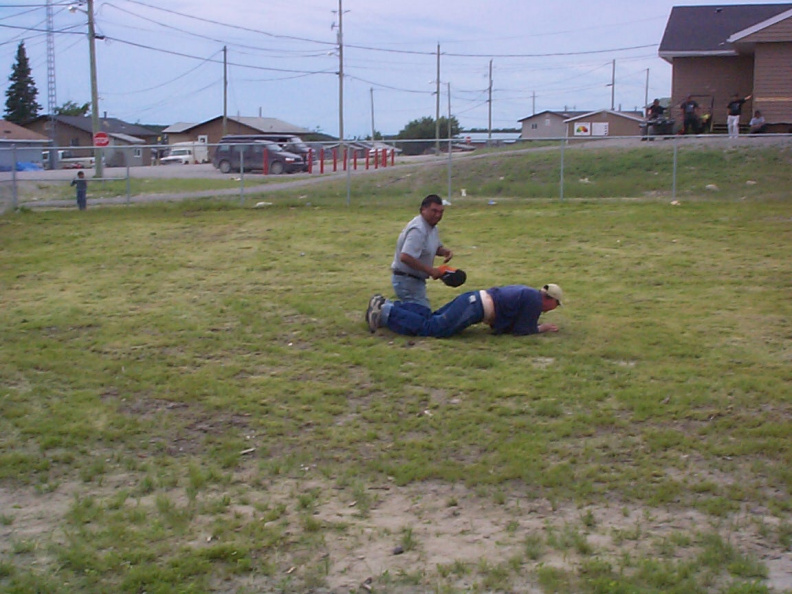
(21, 103)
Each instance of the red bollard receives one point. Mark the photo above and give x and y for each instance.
(393, 157)
(335, 159)
(321, 160)
(310, 160)
(367, 157)
(346, 158)
(376, 158)
(266, 162)
(354, 160)
(384, 157)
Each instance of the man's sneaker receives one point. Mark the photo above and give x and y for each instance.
(374, 312)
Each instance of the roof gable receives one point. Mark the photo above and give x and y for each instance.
(12, 131)
(560, 114)
(706, 30)
(109, 125)
(627, 115)
(741, 35)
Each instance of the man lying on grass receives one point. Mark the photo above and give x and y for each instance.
(513, 309)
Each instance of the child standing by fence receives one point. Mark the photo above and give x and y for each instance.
(82, 190)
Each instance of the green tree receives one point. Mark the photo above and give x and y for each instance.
(70, 108)
(424, 128)
(21, 105)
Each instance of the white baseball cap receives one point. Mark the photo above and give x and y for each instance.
(554, 291)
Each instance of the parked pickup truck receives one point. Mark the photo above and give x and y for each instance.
(67, 160)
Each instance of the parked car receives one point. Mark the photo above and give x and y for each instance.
(233, 152)
(67, 160)
(185, 153)
(288, 142)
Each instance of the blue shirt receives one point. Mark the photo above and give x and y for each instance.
(517, 309)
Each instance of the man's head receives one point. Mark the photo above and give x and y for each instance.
(432, 209)
(80, 174)
(551, 297)
(656, 102)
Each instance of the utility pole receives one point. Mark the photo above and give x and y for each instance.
(646, 92)
(449, 142)
(373, 130)
(225, 90)
(98, 153)
(437, 105)
(613, 86)
(341, 72)
(489, 106)
(533, 103)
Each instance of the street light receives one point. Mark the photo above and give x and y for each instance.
(98, 156)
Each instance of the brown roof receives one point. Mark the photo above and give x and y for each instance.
(10, 131)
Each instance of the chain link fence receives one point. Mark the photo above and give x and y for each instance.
(29, 180)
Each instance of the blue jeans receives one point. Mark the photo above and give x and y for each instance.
(413, 319)
(410, 290)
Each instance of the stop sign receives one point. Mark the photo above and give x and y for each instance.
(101, 139)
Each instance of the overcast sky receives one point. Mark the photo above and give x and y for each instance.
(162, 62)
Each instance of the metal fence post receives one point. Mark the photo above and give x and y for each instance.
(674, 173)
(561, 181)
(128, 185)
(14, 189)
(241, 175)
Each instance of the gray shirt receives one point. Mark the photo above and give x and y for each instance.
(419, 240)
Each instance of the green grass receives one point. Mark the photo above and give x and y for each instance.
(191, 401)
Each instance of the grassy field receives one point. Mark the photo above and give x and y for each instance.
(191, 400)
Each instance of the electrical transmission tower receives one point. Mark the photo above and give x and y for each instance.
(51, 99)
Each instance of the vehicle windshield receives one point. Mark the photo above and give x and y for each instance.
(178, 152)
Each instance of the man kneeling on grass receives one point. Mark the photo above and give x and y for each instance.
(513, 309)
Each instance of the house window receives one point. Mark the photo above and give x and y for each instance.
(534, 126)
(138, 153)
(74, 142)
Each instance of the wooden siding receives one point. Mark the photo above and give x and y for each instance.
(716, 79)
(773, 82)
(617, 126)
(781, 31)
(548, 125)
(65, 136)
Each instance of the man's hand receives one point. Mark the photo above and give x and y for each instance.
(445, 253)
(547, 328)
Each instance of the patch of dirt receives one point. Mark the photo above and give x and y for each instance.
(424, 531)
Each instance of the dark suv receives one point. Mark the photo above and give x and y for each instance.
(233, 152)
(288, 142)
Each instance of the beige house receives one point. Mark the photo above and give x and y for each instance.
(603, 123)
(211, 131)
(546, 124)
(719, 50)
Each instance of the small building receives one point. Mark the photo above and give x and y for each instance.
(546, 124)
(211, 131)
(604, 123)
(20, 146)
(74, 132)
(719, 50)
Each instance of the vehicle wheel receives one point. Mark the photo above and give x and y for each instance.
(276, 168)
(224, 167)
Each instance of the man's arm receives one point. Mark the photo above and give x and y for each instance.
(415, 264)
(445, 253)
